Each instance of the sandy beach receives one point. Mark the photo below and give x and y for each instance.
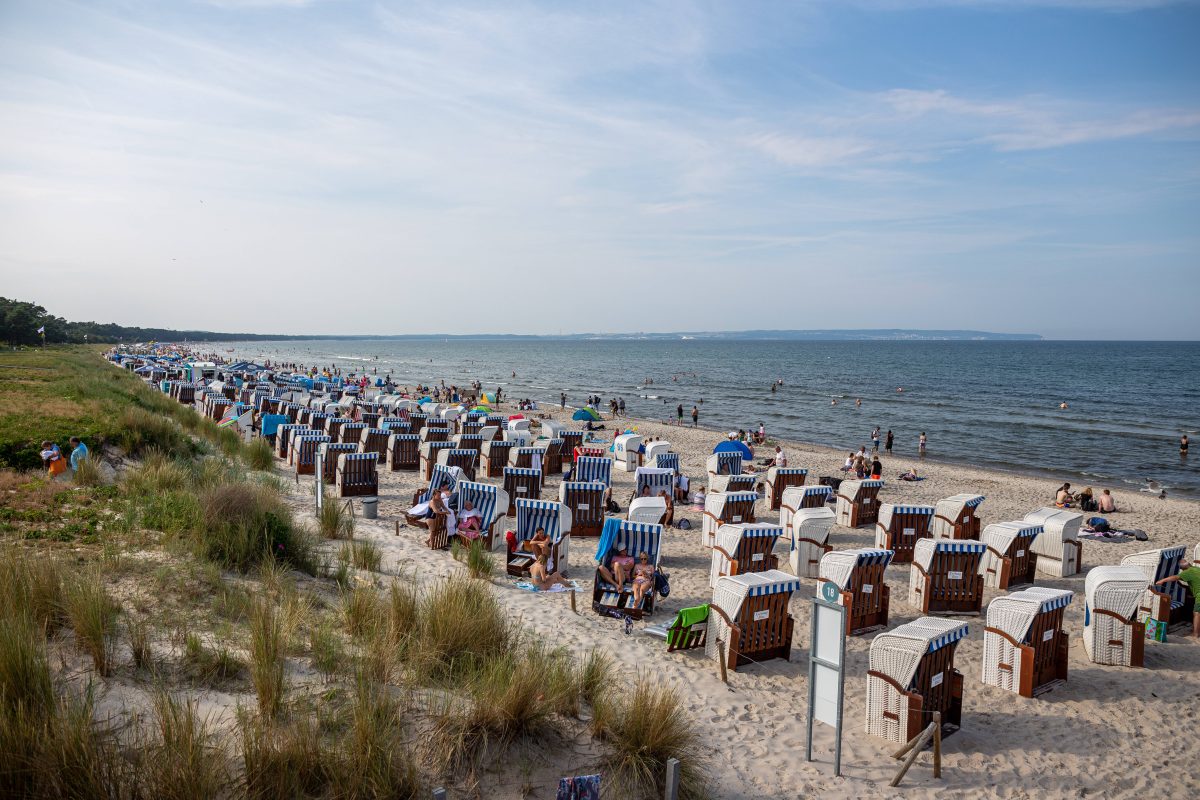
(1108, 730)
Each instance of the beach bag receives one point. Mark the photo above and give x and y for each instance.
(662, 583)
(1088, 505)
(1098, 524)
(684, 524)
(612, 507)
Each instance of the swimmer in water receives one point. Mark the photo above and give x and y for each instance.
(899, 390)
(1063, 404)
(833, 402)
(858, 402)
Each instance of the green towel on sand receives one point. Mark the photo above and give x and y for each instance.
(685, 618)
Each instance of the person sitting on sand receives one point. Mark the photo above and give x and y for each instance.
(1063, 498)
(1106, 504)
(780, 459)
(1189, 574)
(1085, 500)
(618, 569)
(698, 500)
(643, 578)
(539, 576)
(670, 515)
(469, 522)
(849, 465)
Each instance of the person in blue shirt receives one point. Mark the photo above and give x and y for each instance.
(79, 452)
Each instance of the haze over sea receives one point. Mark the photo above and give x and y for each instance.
(987, 403)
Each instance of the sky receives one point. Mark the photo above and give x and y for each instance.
(333, 166)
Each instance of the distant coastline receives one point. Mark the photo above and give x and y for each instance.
(849, 335)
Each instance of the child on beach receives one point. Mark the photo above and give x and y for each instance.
(1190, 574)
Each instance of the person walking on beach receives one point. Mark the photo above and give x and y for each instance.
(875, 439)
(563, 400)
(921, 444)
(887, 443)
(1190, 574)
(679, 413)
(695, 416)
(621, 406)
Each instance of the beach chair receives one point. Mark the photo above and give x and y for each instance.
(647, 509)
(653, 450)
(552, 460)
(472, 427)
(356, 475)
(283, 437)
(1059, 551)
(394, 424)
(443, 476)
(1010, 560)
(417, 420)
(304, 451)
(585, 499)
(910, 675)
(859, 576)
(656, 480)
(521, 438)
(1112, 633)
(374, 440)
(491, 433)
(351, 432)
(857, 503)
(749, 619)
(957, 517)
(1025, 648)
(625, 451)
(666, 460)
(333, 426)
(430, 434)
(403, 452)
(551, 428)
(593, 468)
(723, 508)
(779, 479)
(636, 538)
(720, 467)
(369, 418)
(469, 441)
(808, 535)
(1170, 603)
(494, 455)
(317, 421)
(464, 459)
(743, 548)
(899, 528)
(527, 457)
(796, 498)
(521, 483)
(946, 576)
(490, 501)
(555, 519)
(429, 455)
(327, 458)
(689, 629)
(571, 440)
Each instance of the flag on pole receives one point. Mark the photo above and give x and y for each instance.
(42, 330)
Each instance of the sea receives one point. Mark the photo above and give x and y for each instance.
(988, 403)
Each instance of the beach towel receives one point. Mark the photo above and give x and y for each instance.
(686, 617)
(608, 535)
(582, 787)
(557, 588)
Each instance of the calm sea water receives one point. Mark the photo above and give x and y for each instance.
(987, 403)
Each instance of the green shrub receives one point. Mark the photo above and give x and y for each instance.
(244, 522)
(141, 431)
(258, 454)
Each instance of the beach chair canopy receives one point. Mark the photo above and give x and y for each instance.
(554, 518)
(924, 549)
(715, 502)
(796, 496)
(1001, 535)
(838, 566)
(1015, 613)
(725, 463)
(667, 461)
(656, 479)
(897, 653)
(593, 468)
(809, 523)
(1115, 589)
(731, 593)
(1065, 524)
(729, 537)
(490, 501)
(1158, 564)
(635, 537)
(647, 509)
(888, 510)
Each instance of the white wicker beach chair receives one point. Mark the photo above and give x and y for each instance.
(655, 479)
(721, 508)
(742, 548)
(957, 517)
(1170, 603)
(796, 498)
(857, 503)
(527, 457)
(899, 527)
(862, 591)
(555, 519)
(652, 510)
(1024, 644)
(749, 617)
(654, 450)
(1010, 560)
(807, 532)
(946, 576)
(625, 451)
(780, 479)
(1112, 633)
(1059, 551)
(720, 467)
(911, 674)
(490, 501)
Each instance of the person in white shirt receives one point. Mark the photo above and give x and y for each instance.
(780, 457)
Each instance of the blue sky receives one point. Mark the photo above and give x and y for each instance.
(530, 168)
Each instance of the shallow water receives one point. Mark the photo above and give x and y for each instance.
(988, 403)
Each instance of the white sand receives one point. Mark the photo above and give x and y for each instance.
(1109, 730)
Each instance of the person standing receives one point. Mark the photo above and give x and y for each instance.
(79, 452)
(887, 443)
(875, 439)
(1190, 575)
(1183, 443)
(679, 413)
(695, 416)
(921, 444)
(562, 399)
(621, 406)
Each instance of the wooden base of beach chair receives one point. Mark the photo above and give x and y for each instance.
(866, 611)
(438, 538)
(1161, 609)
(940, 595)
(1043, 664)
(605, 595)
(1010, 572)
(752, 640)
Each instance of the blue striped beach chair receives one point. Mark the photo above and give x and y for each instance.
(1170, 603)
(374, 440)
(1010, 559)
(470, 441)
(857, 503)
(527, 457)
(593, 468)
(911, 675)
(327, 458)
(744, 548)
(430, 451)
(304, 451)
(494, 454)
(490, 501)
(957, 517)
(586, 503)
(462, 457)
(946, 576)
(356, 475)
(522, 484)
(1025, 648)
(555, 519)
(899, 527)
(283, 437)
(780, 479)
(723, 508)
(655, 480)
(721, 466)
(749, 621)
(636, 538)
(862, 591)
(667, 461)
(351, 432)
(403, 451)
(394, 423)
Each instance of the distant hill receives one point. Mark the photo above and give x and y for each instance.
(19, 322)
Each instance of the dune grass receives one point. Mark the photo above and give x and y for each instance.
(93, 618)
(336, 520)
(87, 473)
(209, 665)
(258, 454)
(266, 658)
(31, 584)
(183, 762)
(286, 760)
(362, 554)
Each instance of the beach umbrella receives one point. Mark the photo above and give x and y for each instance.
(516, 416)
(488, 397)
(484, 409)
(734, 446)
(585, 415)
